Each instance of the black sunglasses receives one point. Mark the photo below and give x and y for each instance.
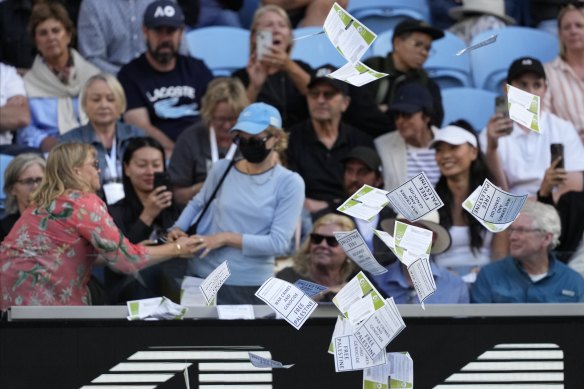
(251, 141)
(317, 238)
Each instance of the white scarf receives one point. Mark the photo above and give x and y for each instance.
(40, 81)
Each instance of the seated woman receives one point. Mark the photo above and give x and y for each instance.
(201, 145)
(47, 257)
(275, 78)
(55, 79)
(245, 215)
(104, 101)
(321, 259)
(145, 213)
(21, 177)
(463, 169)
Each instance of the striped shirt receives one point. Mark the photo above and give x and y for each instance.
(565, 94)
(422, 160)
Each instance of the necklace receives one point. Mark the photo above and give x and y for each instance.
(253, 176)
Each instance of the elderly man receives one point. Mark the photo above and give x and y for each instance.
(531, 274)
(319, 144)
(164, 88)
(412, 43)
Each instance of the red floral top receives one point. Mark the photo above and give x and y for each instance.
(46, 258)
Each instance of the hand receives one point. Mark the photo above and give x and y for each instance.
(208, 243)
(497, 127)
(257, 72)
(553, 177)
(188, 246)
(174, 234)
(315, 205)
(275, 58)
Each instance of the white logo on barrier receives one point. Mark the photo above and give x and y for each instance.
(166, 11)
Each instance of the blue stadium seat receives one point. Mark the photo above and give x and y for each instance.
(383, 15)
(246, 12)
(444, 67)
(316, 50)
(224, 49)
(489, 64)
(473, 105)
(382, 45)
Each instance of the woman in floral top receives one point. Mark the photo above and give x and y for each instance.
(47, 257)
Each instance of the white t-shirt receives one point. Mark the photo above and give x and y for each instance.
(11, 85)
(459, 257)
(525, 156)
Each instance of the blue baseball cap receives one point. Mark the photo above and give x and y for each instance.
(256, 117)
(163, 13)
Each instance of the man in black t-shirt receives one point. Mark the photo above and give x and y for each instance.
(164, 88)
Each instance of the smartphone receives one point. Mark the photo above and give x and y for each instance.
(162, 179)
(557, 150)
(501, 106)
(263, 42)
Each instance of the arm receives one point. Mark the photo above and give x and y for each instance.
(495, 130)
(281, 60)
(500, 245)
(480, 290)
(183, 194)
(139, 118)
(15, 114)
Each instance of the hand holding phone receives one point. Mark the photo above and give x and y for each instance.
(162, 179)
(502, 107)
(557, 150)
(263, 43)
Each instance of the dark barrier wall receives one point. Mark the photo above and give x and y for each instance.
(71, 353)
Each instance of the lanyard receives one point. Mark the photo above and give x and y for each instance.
(215, 150)
(112, 163)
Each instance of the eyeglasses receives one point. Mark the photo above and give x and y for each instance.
(328, 94)
(251, 141)
(419, 46)
(522, 230)
(317, 238)
(30, 181)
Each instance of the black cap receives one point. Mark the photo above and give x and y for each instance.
(414, 25)
(411, 98)
(322, 75)
(524, 65)
(367, 155)
(163, 13)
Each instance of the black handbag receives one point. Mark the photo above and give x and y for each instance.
(193, 228)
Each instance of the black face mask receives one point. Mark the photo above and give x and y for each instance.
(253, 149)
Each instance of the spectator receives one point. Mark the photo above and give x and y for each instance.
(463, 169)
(252, 218)
(531, 274)
(406, 152)
(412, 44)
(319, 144)
(164, 88)
(321, 259)
(202, 144)
(565, 74)
(519, 160)
(14, 111)
(145, 213)
(68, 227)
(276, 79)
(362, 166)
(21, 177)
(475, 16)
(397, 283)
(104, 101)
(110, 32)
(304, 13)
(55, 79)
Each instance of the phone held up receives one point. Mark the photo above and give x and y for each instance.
(502, 107)
(263, 42)
(557, 150)
(162, 179)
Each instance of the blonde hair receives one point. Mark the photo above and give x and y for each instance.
(60, 173)
(302, 257)
(227, 90)
(567, 8)
(114, 86)
(14, 169)
(257, 16)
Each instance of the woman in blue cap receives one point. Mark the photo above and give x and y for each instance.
(245, 214)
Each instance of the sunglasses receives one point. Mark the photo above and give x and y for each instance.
(252, 141)
(328, 95)
(331, 241)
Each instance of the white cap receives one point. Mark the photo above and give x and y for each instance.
(454, 135)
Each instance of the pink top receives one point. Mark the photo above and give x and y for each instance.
(47, 257)
(565, 94)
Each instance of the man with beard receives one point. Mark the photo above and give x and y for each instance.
(164, 88)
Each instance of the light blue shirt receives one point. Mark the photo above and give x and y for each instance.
(264, 208)
(450, 288)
